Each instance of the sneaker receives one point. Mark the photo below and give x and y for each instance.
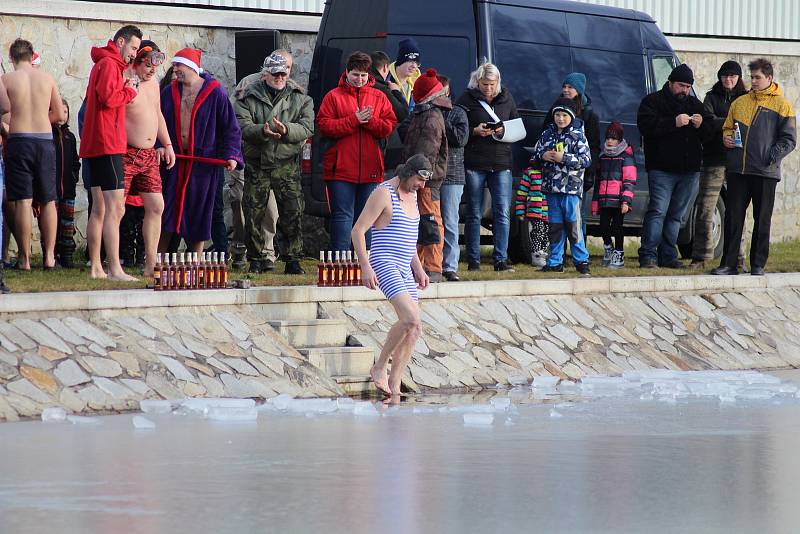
(617, 260)
(474, 266)
(267, 265)
(552, 268)
(293, 267)
(539, 259)
(608, 252)
(238, 263)
(648, 265)
(583, 269)
(434, 278)
(674, 264)
(451, 276)
(503, 266)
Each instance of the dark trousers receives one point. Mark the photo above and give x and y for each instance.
(219, 233)
(742, 189)
(611, 220)
(131, 240)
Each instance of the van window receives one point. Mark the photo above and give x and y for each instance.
(603, 33)
(614, 81)
(532, 72)
(662, 67)
(530, 25)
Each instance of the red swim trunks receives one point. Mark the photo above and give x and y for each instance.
(142, 173)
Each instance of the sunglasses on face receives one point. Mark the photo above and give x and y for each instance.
(425, 174)
(280, 74)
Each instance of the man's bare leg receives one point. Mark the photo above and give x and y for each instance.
(115, 208)
(94, 232)
(151, 228)
(22, 232)
(379, 371)
(401, 345)
(48, 228)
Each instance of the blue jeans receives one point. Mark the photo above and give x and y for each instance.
(450, 196)
(346, 200)
(500, 184)
(671, 194)
(564, 223)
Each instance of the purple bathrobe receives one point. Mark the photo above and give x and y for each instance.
(190, 187)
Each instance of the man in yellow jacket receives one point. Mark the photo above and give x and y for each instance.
(759, 132)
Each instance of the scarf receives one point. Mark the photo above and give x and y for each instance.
(614, 151)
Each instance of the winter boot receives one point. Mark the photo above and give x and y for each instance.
(617, 260)
(608, 253)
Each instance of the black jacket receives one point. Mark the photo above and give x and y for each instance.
(718, 102)
(484, 153)
(591, 129)
(392, 147)
(666, 147)
(68, 164)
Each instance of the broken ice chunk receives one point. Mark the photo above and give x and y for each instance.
(204, 406)
(501, 403)
(555, 415)
(81, 420)
(365, 409)
(282, 401)
(545, 381)
(143, 423)
(478, 419)
(156, 406)
(54, 415)
(232, 414)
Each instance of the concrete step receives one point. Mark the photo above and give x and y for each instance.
(312, 332)
(286, 310)
(341, 361)
(356, 385)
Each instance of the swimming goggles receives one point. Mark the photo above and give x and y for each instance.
(425, 174)
(150, 56)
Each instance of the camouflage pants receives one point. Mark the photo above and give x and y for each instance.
(284, 182)
(234, 219)
(711, 180)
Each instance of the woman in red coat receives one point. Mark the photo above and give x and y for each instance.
(357, 117)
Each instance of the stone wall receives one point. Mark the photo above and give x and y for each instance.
(785, 220)
(64, 45)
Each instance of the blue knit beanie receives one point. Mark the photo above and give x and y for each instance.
(578, 81)
(408, 51)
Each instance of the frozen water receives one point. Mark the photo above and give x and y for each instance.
(281, 402)
(478, 419)
(313, 406)
(54, 415)
(156, 406)
(555, 415)
(83, 420)
(365, 409)
(501, 403)
(204, 406)
(545, 381)
(143, 423)
(232, 414)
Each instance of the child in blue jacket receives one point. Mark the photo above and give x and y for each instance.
(564, 154)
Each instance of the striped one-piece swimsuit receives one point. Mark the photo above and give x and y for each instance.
(393, 247)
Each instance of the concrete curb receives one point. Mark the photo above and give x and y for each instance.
(143, 298)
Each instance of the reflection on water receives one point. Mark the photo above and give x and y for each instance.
(606, 464)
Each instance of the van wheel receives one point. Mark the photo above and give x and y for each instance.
(717, 233)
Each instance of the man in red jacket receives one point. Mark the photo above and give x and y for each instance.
(104, 142)
(357, 116)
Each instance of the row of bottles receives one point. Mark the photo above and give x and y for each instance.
(190, 271)
(339, 270)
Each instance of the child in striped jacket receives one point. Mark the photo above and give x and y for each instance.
(530, 206)
(613, 193)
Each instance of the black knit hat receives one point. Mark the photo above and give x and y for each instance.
(729, 67)
(682, 73)
(567, 105)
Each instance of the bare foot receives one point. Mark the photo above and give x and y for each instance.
(122, 277)
(381, 380)
(395, 388)
(98, 273)
(391, 400)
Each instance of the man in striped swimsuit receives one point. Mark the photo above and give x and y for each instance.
(393, 265)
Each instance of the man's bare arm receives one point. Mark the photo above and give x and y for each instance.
(57, 113)
(5, 103)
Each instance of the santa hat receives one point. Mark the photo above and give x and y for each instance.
(36, 59)
(426, 86)
(189, 57)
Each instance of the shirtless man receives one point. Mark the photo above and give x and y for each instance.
(103, 145)
(30, 152)
(143, 122)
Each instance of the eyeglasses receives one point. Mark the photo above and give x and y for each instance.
(150, 56)
(424, 173)
(279, 74)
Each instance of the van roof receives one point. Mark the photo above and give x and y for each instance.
(577, 7)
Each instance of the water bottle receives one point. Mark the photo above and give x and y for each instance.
(737, 135)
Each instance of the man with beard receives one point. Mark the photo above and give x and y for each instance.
(202, 124)
(674, 125)
(144, 123)
(103, 144)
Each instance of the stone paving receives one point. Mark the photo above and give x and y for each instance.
(103, 362)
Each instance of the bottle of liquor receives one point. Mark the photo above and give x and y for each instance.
(181, 272)
(209, 272)
(173, 272)
(322, 277)
(336, 261)
(351, 269)
(358, 270)
(190, 270)
(215, 267)
(201, 271)
(157, 273)
(166, 285)
(329, 269)
(224, 271)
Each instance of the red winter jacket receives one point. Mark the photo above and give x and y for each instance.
(106, 97)
(356, 155)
